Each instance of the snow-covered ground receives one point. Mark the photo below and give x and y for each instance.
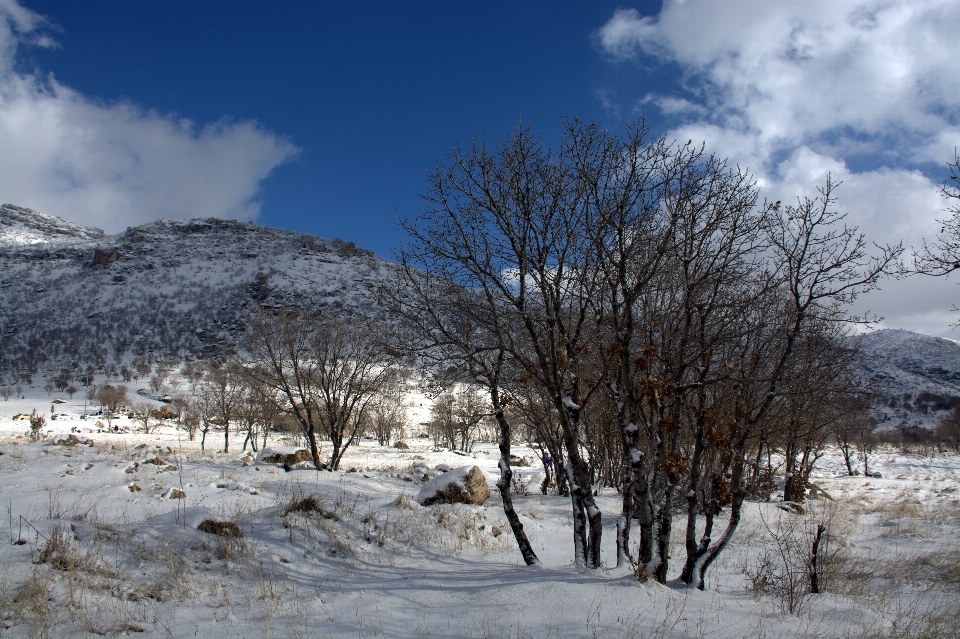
(112, 548)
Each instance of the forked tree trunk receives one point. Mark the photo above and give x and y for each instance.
(664, 530)
(696, 464)
(736, 511)
(585, 511)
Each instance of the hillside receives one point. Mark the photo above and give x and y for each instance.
(173, 287)
(24, 227)
(183, 288)
(916, 377)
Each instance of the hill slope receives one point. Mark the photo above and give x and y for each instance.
(917, 377)
(23, 227)
(173, 287)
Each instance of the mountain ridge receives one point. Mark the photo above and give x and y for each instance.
(21, 226)
(175, 287)
(184, 288)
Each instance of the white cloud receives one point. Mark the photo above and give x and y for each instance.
(626, 32)
(795, 89)
(118, 165)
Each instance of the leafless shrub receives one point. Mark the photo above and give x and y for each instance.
(58, 551)
(307, 504)
(35, 604)
(807, 550)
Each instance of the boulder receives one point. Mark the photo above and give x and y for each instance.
(464, 485)
(71, 440)
(285, 455)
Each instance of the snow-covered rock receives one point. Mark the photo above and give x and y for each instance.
(284, 455)
(464, 485)
(69, 439)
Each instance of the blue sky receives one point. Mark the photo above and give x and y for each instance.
(369, 93)
(322, 116)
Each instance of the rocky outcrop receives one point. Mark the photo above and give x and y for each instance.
(286, 456)
(464, 485)
(102, 258)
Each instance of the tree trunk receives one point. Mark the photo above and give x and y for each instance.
(585, 511)
(314, 448)
(736, 508)
(645, 518)
(504, 486)
(814, 575)
(686, 575)
(663, 531)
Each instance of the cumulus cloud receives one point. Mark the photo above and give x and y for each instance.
(117, 165)
(867, 91)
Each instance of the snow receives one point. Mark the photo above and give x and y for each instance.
(899, 362)
(21, 226)
(376, 563)
(373, 562)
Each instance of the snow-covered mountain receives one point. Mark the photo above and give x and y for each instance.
(72, 294)
(23, 227)
(916, 377)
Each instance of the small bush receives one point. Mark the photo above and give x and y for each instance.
(58, 552)
(220, 528)
(308, 504)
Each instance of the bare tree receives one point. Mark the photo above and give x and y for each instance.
(142, 412)
(206, 413)
(194, 374)
(181, 405)
(442, 426)
(111, 398)
(388, 419)
(948, 430)
(942, 256)
(447, 324)
(224, 390)
(322, 370)
(824, 265)
(157, 382)
(507, 223)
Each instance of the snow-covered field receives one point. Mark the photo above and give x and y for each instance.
(112, 548)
